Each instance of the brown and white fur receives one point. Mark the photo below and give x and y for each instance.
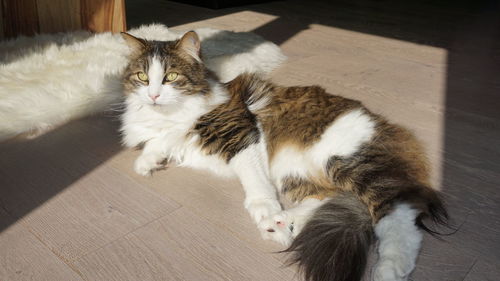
(354, 176)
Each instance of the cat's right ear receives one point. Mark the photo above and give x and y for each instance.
(134, 43)
(190, 44)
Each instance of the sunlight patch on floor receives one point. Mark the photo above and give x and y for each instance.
(240, 21)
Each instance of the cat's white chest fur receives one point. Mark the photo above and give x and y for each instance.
(168, 132)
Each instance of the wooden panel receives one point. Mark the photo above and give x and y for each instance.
(20, 17)
(103, 15)
(47, 16)
(59, 15)
(1, 20)
(97, 15)
(23, 257)
(181, 246)
(119, 21)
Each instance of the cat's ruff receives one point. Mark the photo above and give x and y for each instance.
(47, 80)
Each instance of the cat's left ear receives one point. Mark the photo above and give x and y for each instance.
(137, 45)
(190, 43)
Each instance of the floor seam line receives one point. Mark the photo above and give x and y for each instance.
(470, 269)
(126, 234)
(66, 262)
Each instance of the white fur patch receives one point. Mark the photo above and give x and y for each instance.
(156, 74)
(260, 56)
(260, 194)
(399, 244)
(290, 162)
(251, 167)
(343, 137)
(48, 79)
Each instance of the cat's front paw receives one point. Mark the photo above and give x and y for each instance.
(260, 209)
(145, 165)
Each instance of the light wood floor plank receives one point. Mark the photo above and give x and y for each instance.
(23, 257)
(180, 246)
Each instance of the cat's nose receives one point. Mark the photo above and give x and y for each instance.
(154, 97)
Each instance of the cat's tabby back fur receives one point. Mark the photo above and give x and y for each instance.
(353, 175)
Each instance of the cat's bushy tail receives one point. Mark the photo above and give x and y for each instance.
(335, 242)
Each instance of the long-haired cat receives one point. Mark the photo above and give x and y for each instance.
(353, 176)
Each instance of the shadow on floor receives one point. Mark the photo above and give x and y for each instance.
(33, 171)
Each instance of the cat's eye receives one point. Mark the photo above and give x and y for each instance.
(171, 76)
(142, 76)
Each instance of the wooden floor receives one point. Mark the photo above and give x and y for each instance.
(71, 208)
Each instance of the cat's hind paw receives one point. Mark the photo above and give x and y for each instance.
(278, 228)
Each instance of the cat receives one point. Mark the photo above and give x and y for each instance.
(353, 176)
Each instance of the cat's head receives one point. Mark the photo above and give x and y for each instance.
(163, 73)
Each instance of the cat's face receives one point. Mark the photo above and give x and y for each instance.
(165, 73)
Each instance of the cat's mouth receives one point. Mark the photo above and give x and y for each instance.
(155, 104)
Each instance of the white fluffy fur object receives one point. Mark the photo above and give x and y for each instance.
(48, 80)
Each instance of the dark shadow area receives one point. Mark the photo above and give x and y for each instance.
(471, 170)
(219, 4)
(33, 171)
(155, 11)
(229, 43)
